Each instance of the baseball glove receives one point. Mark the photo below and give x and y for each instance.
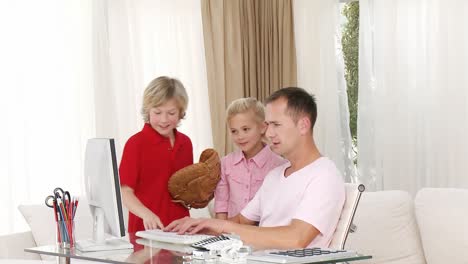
(194, 185)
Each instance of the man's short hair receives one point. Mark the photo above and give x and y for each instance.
(299, 103)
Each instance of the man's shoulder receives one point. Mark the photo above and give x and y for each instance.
(323, 164)
(324, 170)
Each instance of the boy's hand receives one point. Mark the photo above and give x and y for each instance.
(152, 221)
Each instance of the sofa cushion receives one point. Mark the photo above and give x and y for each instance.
(40, 219)
(386, 229)
(442, 216)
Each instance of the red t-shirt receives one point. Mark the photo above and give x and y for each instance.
(148, 160)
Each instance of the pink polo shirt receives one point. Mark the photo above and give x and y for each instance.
(241, 178)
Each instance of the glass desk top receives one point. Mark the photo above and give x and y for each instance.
(145, 251)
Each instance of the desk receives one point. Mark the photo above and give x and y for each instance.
(148, 253)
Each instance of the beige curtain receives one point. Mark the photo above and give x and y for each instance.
(250, 52)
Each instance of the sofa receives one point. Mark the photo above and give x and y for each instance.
(393, 227)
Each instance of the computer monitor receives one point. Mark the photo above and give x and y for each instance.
(102, 185)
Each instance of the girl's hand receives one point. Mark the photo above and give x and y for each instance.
(152, 221)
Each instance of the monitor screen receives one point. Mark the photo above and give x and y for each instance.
(102, 185)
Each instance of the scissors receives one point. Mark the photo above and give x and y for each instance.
(51, 201)
(58, 197)
(64, 196)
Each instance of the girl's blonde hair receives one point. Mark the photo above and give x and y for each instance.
(243, 105)
(159, 91)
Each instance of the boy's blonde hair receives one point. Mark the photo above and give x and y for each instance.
(243, 105)
(159, 91)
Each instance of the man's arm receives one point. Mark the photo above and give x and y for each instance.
(298, 234)
(240, 219)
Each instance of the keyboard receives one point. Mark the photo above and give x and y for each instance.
(170, 237)
(306, 255)
(167, 246)
(217, 243)
(109, 244)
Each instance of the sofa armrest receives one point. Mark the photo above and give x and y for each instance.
(12, 246)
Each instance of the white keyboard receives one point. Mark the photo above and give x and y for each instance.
(170, 237)
(306, 255)
(167, 246)
(109, 244)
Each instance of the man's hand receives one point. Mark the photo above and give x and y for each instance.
(197, 225)
(152, 221)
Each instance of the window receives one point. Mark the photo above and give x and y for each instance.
(350, 46)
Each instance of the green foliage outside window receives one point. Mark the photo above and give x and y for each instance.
(350, 45)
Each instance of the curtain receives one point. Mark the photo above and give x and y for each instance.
(73, 70)
(320, 70)
(137, 41)
(250, 52)
(46, 101)
(413, 98)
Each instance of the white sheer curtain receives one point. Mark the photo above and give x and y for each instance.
(46, 101)
(72, 70)
(138, 41)
(320, 70)
(413, 94)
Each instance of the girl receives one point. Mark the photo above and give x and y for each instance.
(243, 171)
(152, 155)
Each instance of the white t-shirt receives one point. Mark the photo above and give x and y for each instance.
(314, 194)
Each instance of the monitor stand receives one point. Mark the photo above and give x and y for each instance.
(99, 242)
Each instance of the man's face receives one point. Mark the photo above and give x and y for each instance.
(282, 131)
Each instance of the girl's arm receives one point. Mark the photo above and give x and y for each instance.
(136, 207)
(222, 195)
(222, 216)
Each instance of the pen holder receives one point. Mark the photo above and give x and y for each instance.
(66, 233)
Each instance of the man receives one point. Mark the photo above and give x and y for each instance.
(300, 202)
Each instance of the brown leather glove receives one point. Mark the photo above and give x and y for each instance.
(194, 185)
